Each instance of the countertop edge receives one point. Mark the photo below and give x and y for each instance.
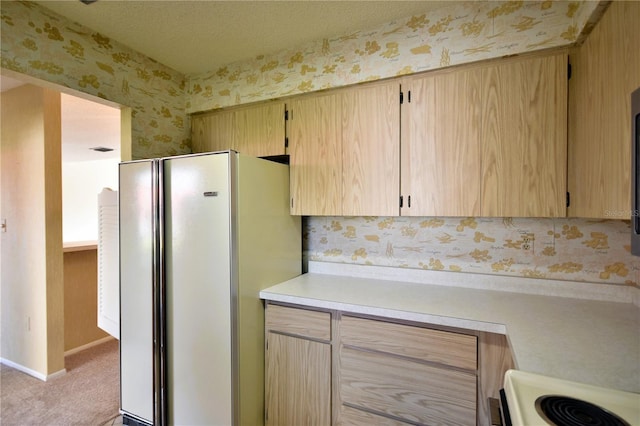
(386, 313)
(79, 246)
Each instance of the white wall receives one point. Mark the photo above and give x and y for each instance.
(81, 184)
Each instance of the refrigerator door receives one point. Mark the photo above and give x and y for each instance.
(137, 200)
(198, 228)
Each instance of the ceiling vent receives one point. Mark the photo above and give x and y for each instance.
(101, 149)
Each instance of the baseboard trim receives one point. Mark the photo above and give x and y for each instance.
(56, 374)
(31, 372)
(88, 345)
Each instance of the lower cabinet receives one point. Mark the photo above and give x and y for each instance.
(364, 370)
(298, 367)
(407, 373)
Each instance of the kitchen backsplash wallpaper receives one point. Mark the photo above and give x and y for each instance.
(457, 34)
(44, 45)
(596, 251)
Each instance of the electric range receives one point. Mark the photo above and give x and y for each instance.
(534, 399)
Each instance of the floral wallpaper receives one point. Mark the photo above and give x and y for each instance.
(460, 33)
(47, 46)
(595, 251)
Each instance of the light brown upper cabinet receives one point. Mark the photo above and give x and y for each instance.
(315, 154)
(480, 140)
(212, 132)
(605, 70)
(344, 152)
(524, 137)
(371, 150)
(441, 144)
(256, 130)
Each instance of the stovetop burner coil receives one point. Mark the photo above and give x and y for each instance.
(559, 410)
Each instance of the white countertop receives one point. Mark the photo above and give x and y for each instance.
(79, 246)
(573, 338)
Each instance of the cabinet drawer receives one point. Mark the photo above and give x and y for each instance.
(443, 347)
(300, 322)
(419, 393)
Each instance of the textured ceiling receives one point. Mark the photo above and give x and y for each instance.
(195, 37)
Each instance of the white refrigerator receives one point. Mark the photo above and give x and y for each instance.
(200, 236)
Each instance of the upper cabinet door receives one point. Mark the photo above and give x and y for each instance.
(259, 130)
(524, 137)
(605, 70)
(315, 155)
(441, 144)
(371, 150)
(256, 130)
(212, 132)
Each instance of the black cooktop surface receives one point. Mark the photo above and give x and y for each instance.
(561, 410)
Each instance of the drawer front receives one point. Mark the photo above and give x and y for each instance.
(402, 389)
(355, 417)
(443, 347)
(300, 322)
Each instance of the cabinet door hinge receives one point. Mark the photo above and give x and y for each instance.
(286, 115)
(286, 142)
(568, 198)
(568, 71)
(401, 98)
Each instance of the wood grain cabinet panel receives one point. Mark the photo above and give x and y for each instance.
(406, 390)
(483, 140)
(406, 373)
(440, 144)
(605, 70)
(324, 368)
(298, 381)
(524, 137)
(371, 150)
(301, 322)
(315, 155)
(344, 152)
(259, 130)
(494, 359)
(443, 347)
(298, 374)
(212, 132)
(357, 417)
(255, 130)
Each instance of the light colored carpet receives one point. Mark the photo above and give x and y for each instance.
(88, 394)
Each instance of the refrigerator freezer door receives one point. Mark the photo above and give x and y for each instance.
(137, 237)
(197, 200)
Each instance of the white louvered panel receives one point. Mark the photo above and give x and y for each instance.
(108, 265)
